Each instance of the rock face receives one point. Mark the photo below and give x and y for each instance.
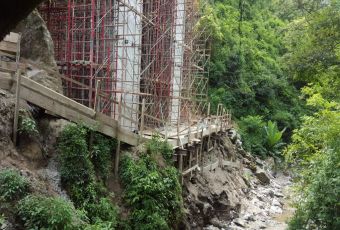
(6, 124)
(36, 43)
(37, 49)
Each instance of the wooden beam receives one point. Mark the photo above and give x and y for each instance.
(16, 109)
(6, 81)
(9, 47)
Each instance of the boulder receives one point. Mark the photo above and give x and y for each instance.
(262, 176)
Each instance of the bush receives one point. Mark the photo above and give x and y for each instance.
(27, 126)
(153, 192)
(319, 207)
(78, 174)
(253, 135)
(101, 154)
(157, 146)
(38, 212)
(2, 220)
(74, 156)
(315, 153)
(12, 185)
(102, 212)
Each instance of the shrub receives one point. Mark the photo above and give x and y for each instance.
(74, 156)
(102, 212)
(78, 174)
(153, 192)
(27, 126)
(319, 207)
(315, 153)
(38, 212)
(100, 226)
(77, 171)
(12, 185)
(157, 146)
(2, 220)
(253, 136)
(101, 154)
(273, 139)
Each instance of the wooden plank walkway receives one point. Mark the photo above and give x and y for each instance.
(69, 109)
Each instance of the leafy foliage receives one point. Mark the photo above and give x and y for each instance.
(260, 138)
(103, 213)
(27, 126)
(79, 177)
(157, 146)
(2, 220)
(153, 192)
(12, 185)
(246, 72)
(38, 212)
(253, 137)
(273, 138)
(316, 151)
(101, 154)
(77, 172)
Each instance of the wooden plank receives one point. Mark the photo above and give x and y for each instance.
(12, 37)
(190, 170)
(211, 167)
(12, 56)
(49, 93)
(6, 81)
(16, 109)
(10, 66)
(9, 47)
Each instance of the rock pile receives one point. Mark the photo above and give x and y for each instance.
(239, 194)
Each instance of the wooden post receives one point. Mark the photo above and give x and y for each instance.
(189, 128)
(16, 110)
(209, 125)
(190, 158)
(200, 162)
(17, 93)
(180, 165)
(96, 96)
(118, 140)
(95, 107)
(142, 119)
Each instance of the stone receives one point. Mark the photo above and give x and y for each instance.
(232, 134)
(275, 210)
(275, 202)
(249, 217)
(239, 222)
(216, 223)
(262, 176)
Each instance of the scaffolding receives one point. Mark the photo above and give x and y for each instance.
(133, 60)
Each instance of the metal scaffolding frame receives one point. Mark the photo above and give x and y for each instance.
(142, 62)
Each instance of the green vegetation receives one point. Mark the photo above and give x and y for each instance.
(260, 138)
(247, 73)
(101, 155)
(2, 220)
(78, 174)
(152, 191)
(12, 185)
(157, 146)
(38, 212)
(276, 64)
(28, 126)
